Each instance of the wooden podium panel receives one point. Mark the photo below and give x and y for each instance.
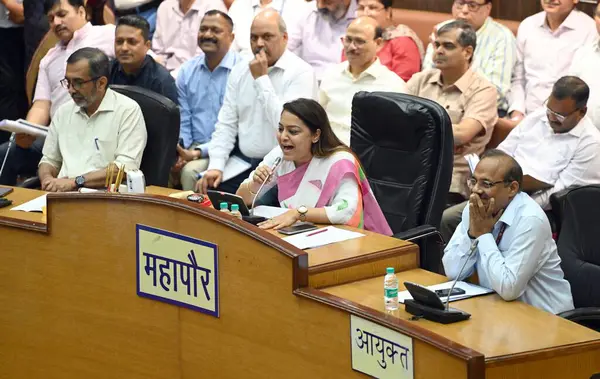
(69, 306)
(518, 340)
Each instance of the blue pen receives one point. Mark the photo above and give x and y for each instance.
(96, 143)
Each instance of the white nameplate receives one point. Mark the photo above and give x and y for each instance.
(379, 351)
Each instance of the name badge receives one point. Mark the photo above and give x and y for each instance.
(379, 351)
(177, 269)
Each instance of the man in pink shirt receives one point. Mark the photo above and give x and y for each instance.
(177, 24)
(67, 19)
(546, 44)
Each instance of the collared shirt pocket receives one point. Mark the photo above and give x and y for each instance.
(104, 151)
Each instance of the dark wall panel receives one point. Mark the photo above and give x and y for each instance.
(505, 9)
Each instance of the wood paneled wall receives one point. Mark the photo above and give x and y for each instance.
(504, 9)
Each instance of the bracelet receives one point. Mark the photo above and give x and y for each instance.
(249, 190)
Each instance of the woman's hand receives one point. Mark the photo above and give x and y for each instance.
(261, 173)
(287, 219)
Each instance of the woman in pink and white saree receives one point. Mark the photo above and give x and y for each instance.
(318, 178)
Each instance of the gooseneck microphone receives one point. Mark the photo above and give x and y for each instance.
(273, 168)
(10, 142)
(471, 251)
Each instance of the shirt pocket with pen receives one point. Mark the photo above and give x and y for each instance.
(104, 151)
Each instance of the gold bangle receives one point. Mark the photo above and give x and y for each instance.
(249, 190)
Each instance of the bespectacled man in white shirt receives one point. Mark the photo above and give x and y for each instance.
(91, 131)
(254, 98)
(585, 65)
(362, 72)
(515, 254)
(557, 146)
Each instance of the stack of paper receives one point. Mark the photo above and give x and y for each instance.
(471, 290)
(34, 205)
(268, 212)
(321, 237)
(233, 167)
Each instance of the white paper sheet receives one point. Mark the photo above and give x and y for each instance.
(471, 290)
(233, 167)
(331, 234)
(268, 212)
(472, 160)
(22, 126)
(34, 205)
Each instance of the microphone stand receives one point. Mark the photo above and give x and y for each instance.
(275, 165)
(473, 247)
(10, 142)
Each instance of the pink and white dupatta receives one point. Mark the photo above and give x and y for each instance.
(315, 184)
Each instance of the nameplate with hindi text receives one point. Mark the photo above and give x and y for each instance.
(379, 351)
(177, 269)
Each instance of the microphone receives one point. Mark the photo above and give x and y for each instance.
(10, 142)
(273, 168)
(471, 251)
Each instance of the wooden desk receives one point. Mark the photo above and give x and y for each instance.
(517, 340)
(68, 305)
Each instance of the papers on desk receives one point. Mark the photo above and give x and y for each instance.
(268, 212)
(233, 167)
(22, 126)
(471, 290)
(321, 237)
(34, 205)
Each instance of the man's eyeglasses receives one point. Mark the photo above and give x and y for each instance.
(485, 184)
(473, 6)
(76, 84)
(559, 117)
(347, 41)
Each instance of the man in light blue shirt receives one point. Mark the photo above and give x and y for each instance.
(201, 84)
(515, 255)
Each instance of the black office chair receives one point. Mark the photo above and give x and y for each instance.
(162, 123)
(579, 250)
(405, 145)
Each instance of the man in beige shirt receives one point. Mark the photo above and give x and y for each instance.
(468, 97)
(96, 129)
(362, 72)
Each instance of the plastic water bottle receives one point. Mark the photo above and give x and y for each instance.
(223, 207)
(390, 289)
(235, 211)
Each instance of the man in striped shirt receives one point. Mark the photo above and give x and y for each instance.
(496, 52)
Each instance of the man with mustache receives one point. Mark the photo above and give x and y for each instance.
(557, 146)
(362, 72)
(67, 19)
(320, 27)
(95, 129)
(132, 66)
(585, 65)
(546, 44)
(496, 54)
(515, 255)
(467, 96)
(177, 24)
(201, 84)
(253, 102)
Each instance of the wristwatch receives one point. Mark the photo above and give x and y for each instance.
(302, 210)
(79, 181)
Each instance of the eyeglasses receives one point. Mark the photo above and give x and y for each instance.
(559, 117)
(485, 184)
(472, 5)
(347, 41)
(76, 84)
